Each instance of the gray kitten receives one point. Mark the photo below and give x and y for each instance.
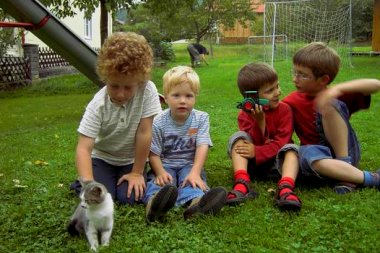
(94, 215)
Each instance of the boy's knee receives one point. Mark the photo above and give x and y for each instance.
(309, 154)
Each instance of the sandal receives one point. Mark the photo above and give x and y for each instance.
(285, 204)
(239, 196)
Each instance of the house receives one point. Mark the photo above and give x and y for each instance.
(86, 29)
(239, 33)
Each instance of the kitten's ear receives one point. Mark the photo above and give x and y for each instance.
(97, 190)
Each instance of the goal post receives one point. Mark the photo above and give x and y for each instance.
(304, 21)
(260, 47)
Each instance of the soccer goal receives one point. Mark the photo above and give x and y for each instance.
(260, 47)
(304, 21)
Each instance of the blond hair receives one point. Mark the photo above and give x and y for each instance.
(319, 58)
(125, 54)
(179, 75)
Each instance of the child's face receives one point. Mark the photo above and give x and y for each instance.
(181, 100)
(121, 88)
(271, 92)
(305, 81)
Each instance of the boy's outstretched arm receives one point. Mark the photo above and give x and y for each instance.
(135, 178)
(194, 177)
(83, 157)
(364, 86)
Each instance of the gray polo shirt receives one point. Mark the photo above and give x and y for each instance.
(114, 127)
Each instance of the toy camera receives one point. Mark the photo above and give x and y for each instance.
(250, 99)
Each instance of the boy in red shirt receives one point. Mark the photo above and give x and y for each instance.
(264, 129)
(329, 149)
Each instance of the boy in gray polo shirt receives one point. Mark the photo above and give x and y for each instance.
(116, 129)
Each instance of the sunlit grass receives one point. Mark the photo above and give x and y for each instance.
(37, 142)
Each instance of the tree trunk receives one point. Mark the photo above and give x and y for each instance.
(103, 21)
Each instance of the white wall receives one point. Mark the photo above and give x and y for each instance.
(77, 25)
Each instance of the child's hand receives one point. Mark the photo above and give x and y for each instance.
(195, 181)
(257, 113)
(245, 149)
(163, 179)
(136, 182)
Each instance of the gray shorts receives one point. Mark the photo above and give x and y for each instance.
(267, 170)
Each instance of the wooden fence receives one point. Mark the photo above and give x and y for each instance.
(18, 71)
(14, 72)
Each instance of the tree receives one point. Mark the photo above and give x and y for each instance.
(64, 8)
(6, 36)
(195, 18)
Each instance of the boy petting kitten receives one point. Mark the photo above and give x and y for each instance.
(116, 129)
(178, 152)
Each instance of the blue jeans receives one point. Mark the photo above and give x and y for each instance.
(310, 153)
(108, 175)
(185, 193)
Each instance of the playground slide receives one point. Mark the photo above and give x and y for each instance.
(56, 35)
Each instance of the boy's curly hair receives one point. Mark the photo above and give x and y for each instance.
(125, 53)
(253, 76)
(179, 75)
(319, 58)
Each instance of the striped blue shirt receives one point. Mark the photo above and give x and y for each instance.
(176, 144)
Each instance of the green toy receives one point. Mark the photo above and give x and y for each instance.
(250, 99)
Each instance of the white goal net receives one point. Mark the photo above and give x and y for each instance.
(302, 22)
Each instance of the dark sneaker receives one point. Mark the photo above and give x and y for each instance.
(285, 204)
(344, 188)
(210, 203)
(161, 203)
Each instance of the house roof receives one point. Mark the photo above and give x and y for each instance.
(258, 6)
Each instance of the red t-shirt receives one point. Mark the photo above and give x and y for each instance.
(278, 131)
(304, 112)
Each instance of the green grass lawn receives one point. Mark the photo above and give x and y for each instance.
(37, 144)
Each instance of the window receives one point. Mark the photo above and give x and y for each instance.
(88, 28)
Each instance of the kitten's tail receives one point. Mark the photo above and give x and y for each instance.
(72, 228)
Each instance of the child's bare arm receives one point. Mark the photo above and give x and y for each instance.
(162, 177)
(365, 86)
(135, 178)
(83, 157)
(194, 177)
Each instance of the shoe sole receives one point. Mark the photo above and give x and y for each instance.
(162, 203)
(210, 203)
(288, 205)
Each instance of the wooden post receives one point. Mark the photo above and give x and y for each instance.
(376, 27)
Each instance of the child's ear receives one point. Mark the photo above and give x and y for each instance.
(325, 79)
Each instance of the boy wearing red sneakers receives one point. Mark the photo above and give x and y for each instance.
(264, 129)
(329, 150)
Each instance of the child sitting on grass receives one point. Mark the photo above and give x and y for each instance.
(329, 150)
(264, 129)
(178, 152)
(116, 130)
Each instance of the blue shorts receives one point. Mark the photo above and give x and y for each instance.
(307, 154)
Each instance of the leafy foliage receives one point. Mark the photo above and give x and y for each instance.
(6, 36)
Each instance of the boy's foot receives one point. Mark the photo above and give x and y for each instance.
(210, 203)
(235, 197)
(344, 188)
(286, 199)
(161, 203)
